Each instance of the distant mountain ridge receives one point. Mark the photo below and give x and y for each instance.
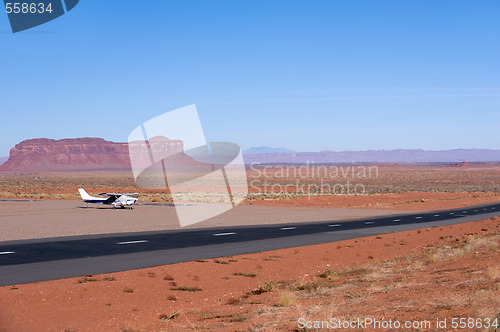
(91, 154)
(267, 149)
(390, 156)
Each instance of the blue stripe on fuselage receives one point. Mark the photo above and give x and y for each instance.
(94, 201)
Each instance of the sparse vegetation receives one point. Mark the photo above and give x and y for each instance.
(248, 275)
(266, 286)
(432, 258)
(494, 246)
(201, 261)
(328, 274)
(406, 178)
(287, 298)
(348, 271)
(186, 289)
(128, 290)
(493, 272)
(166, 318)
(87, 278)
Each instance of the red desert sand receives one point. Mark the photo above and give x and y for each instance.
(427, 274)
(410, 201)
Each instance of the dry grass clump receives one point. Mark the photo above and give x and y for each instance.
(248, 275)
(463, 251)
(186, 289)
(351, 271)
(287, 298)
(493, 272)
(328, 274)
(443, 253)
(265, 287)
(166, 318)
(494, 246)
(314, 285)
(87, 278)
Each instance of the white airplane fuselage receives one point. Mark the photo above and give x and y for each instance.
(115, 200)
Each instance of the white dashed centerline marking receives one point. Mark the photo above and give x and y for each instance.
(132, 242)
(436, 215)
(287, 228)
(452, 213)
(396, 220)
(6, 252)
(223, 234)
(336, 225)
(418, 217)
(369, 222)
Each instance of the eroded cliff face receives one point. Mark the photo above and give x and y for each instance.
(79, 154)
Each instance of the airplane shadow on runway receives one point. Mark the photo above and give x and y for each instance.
(100, 208)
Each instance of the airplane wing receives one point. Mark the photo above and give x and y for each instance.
(118, 195)
(112, 197)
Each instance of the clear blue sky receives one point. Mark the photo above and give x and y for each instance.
(306, 75)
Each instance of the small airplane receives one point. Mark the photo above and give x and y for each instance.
(116, 200)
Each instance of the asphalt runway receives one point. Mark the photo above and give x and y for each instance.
(25, 261)
(23, 219)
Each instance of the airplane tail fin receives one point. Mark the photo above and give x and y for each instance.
(84, 194)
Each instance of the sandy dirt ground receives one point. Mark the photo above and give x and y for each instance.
(420, 275)
(411, 201)
(270, 181)
(53, 218)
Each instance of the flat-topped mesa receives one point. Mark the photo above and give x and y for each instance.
(76, 154)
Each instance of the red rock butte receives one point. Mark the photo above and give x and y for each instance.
(78, 154)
